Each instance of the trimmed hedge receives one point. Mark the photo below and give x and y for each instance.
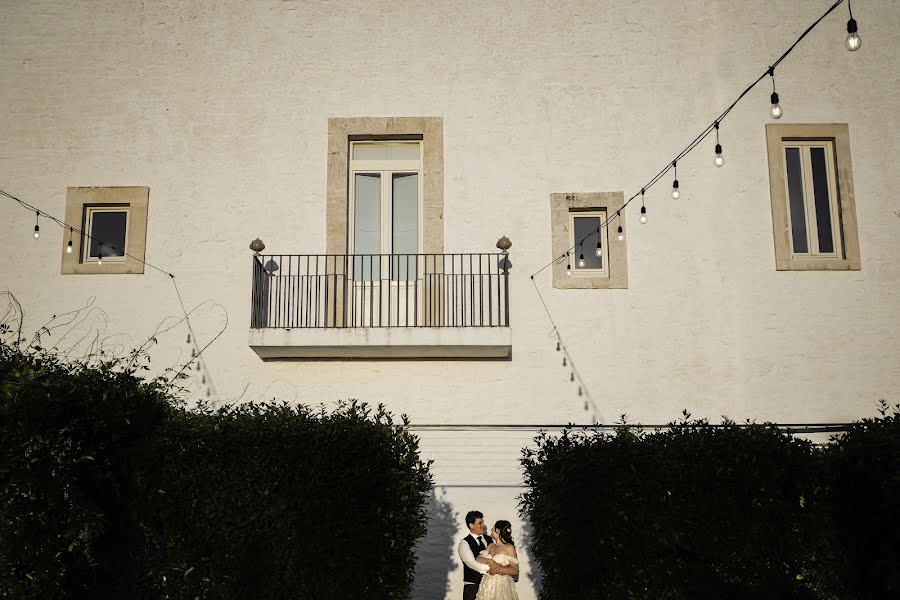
(864, 500)
(701, 511)
(108, 489)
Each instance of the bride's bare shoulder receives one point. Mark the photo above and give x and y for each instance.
(507, 549)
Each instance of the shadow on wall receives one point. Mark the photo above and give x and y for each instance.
(436, 552)
(534, 571)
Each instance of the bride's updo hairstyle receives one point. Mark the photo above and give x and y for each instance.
(505, 530)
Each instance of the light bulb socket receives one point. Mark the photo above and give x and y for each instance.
(643, 210)
(718, 148)
(851, 25)
(620, 229)
(675, 184)
(774, 97)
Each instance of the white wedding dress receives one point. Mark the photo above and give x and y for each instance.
(498, 587)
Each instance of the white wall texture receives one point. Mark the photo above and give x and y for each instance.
(221, 109)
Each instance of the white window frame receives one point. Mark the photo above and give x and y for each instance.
(604, 241)
(89, 211)
(386, 169)
(809, 199)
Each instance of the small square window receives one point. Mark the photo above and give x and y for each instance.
(114, 221)
(579, 227)
(107, 233)
(588, 235)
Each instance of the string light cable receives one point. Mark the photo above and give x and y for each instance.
(714, 126)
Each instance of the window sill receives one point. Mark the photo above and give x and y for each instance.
(812, 264)
(131, 267)
(383, 343)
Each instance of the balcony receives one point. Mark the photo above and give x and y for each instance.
(380, 306)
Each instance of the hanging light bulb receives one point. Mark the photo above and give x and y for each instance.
(675, 193)
(621, 234)
(189, 338)
(572, 376)
(557, 346)
(203, 379)
(776, 111)
(719, 160)
(581, 260)
(853, 40)
(69, 245)
(564, 361)
(37, 228)
(643, 209)
(100, 255)
(568, 265)
(599, 246)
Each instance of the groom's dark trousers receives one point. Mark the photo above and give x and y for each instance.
(470, 590)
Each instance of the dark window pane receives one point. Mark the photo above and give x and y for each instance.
(795, 193)
(823, 202)
(108, 227)
(586, 226)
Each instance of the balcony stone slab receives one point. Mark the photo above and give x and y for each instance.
(383, 343)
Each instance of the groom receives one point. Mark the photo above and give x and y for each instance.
(468, 549)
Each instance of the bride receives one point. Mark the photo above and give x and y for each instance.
(502, 552)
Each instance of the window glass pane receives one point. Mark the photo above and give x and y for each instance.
(823, 201)
(366, 224)
(795, 193)
(386, 151)
(586, 226)
(108, 227)
(405, 228)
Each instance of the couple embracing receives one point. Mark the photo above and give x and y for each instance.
(489, 560)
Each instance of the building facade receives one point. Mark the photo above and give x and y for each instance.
(380, 151)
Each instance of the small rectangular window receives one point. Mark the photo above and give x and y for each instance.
(107, 233)
(588, 236)
(813, 201)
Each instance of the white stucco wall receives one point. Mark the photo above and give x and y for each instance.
(221, 109)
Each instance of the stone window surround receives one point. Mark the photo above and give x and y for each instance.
(77, 198)
(560, 206)
(839, 134)
(341, 131)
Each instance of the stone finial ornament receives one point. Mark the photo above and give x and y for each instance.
(504, 244)
(257, 246)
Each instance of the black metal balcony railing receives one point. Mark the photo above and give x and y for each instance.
(380, 290)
